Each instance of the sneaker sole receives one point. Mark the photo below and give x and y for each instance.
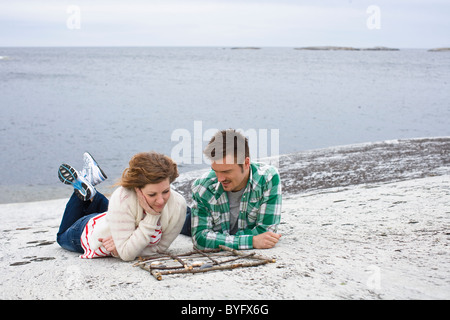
(68, 175)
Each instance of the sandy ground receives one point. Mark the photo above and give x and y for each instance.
(369, 241)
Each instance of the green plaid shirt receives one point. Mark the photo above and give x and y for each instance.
(260, 209)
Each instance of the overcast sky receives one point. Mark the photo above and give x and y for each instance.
(359, 23)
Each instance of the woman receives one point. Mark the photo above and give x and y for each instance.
(142, 217)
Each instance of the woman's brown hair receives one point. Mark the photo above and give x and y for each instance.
(148, 168)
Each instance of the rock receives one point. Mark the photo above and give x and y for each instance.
(439, 50)
(381, 49)
(333, 48)
(328, 48)
(393, 160)
(245, 48)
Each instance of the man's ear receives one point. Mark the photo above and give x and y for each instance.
(247, 163)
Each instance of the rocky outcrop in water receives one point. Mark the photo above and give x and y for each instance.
(334, 48)
(439, 50)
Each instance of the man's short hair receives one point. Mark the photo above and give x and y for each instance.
(227, 142)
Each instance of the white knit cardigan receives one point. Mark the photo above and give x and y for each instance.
(131, 229)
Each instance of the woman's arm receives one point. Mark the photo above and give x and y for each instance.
(109, 245)
(129, 240)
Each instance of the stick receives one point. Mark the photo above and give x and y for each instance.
(153, 273)
(238, 253)
(167, 255)
(180, 261)
(166, 268)
(238, 257)
(205, 255)
(158, 275)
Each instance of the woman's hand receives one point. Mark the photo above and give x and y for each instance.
(109, 245)
(144, 204)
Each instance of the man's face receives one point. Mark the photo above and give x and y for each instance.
(232, 176)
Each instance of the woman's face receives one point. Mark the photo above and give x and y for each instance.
(157, 194)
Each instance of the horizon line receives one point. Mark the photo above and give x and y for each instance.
(248, 47)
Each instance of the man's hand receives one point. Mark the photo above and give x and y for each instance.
(265, 240)
(109, 245)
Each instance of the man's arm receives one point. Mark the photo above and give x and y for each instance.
(269, 214)
(203, 234)
(263, 235)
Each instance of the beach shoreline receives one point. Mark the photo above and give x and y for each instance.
(355, 164)
(381, 233)
(389, 160)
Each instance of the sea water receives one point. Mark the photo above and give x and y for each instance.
(57, 103)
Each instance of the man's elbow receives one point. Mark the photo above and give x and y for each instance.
(196, 241)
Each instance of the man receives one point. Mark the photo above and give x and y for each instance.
(237, 203)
